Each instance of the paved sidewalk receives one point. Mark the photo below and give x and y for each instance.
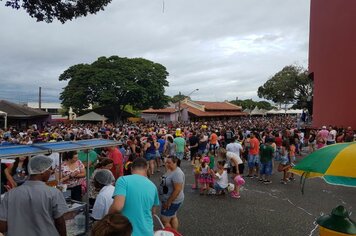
(273, 209)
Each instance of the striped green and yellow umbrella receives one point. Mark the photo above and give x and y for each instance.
(336, 164)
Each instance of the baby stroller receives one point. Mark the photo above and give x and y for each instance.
(165, 231)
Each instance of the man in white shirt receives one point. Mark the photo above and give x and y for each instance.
(34, 208)
(331, 136)
(236, 148)
(103, 180)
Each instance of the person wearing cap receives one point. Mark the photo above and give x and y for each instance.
(180, 146)
(34, 208)
(103, 181)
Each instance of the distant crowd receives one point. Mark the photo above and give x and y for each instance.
(215, 150)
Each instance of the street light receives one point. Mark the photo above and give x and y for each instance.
(180, 94)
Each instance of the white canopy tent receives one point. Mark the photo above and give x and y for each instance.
(294, 111)
(91, 116)
(248, 111)
(276, 111)
(258, 112)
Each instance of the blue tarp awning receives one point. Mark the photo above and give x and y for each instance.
(45, 148)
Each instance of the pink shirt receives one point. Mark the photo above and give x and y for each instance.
(324, 133)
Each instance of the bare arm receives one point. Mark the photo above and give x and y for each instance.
(154, 209)
(177, 188)
(80, 174)
(3, 226)
(118, 204)
(236, 165)
(8, 171)
(147, 145)
(117, 169)
(157, 145)
(61, 226)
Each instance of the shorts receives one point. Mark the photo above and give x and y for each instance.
(150, 156)
(330, 142)
(193, 152)
(266, 168)
(218, 188)
(180, 155)
(212, 147)
(171, 211)
(253, 160)
(284, 160)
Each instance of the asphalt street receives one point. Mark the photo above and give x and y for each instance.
(274, 209)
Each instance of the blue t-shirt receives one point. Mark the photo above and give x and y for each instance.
(140, 196)
(161, 142)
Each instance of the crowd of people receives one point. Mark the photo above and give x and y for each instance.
(120, 175)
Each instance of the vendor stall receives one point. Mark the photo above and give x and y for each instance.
(77, 219)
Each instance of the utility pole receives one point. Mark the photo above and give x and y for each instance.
(179, 114)
(179, 102)
(39, 97)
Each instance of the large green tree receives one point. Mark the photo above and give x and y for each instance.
(178, 97)
(115, 82)
(250, 104)
(290, 85)
(62, 10)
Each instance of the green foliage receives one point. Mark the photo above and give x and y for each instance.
(290, 85)
(178, 97)
(265, 105)
(250, 104)
(64, 111)
(115, 82)
(131, 110)
(62, 10)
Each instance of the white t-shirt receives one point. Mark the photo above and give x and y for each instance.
(233, 156)
(103, 202)
(234, 147)
(332, 136)
(223, 180)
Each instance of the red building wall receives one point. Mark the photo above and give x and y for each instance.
(332, 59)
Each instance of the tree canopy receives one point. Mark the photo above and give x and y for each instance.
(62, 10)
(178, 97)
(290, 85)
(250, 104)
(115, 82)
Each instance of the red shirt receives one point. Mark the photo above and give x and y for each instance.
(117, 158)
(278, 141)
(255, 146)
(213, 138)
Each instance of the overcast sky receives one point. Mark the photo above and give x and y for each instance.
(226, 49)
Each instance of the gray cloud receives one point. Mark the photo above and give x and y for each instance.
(227, 49)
